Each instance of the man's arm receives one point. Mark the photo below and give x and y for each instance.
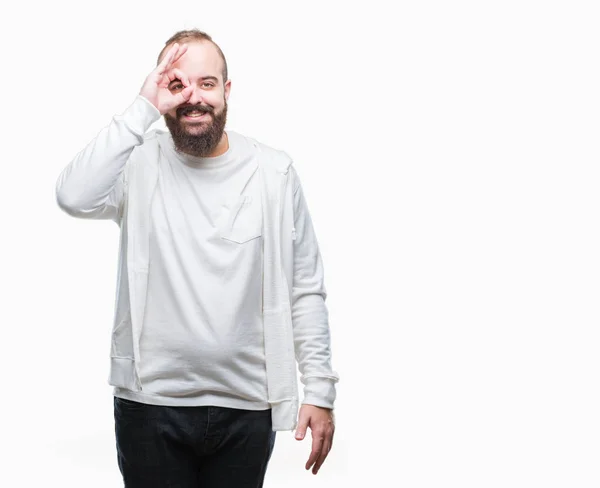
(93, 185)
(309, 313)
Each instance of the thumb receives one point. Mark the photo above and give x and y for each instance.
(181, 97)
(301, 428)
(184, 95)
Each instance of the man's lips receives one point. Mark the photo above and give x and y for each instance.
(196, 116)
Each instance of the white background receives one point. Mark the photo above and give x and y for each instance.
(450, 159)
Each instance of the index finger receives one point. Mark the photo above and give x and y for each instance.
(182, 50)
(171, 57)
(177, 74)
(162, 66)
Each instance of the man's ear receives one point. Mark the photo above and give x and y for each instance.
(227, 89)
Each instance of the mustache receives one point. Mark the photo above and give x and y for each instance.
(182, 111)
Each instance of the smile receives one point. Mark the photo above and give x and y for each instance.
(195, 115)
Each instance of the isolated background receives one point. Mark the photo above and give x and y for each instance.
(450, 159)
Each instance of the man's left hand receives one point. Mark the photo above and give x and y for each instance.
(322, 426)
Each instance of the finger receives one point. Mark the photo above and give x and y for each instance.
(165, 63)
(316, 450)
(324, 452)
(162, 67)
(302, 426)
(179, 75)
(174, 100)
(183, 96)
(331, 439)
(182, 50)
(173, 74)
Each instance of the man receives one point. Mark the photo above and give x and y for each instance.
(220, 286)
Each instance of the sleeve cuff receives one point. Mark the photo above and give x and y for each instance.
(320, 391)
(140, 115)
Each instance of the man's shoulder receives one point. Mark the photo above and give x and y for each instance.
(269, 156)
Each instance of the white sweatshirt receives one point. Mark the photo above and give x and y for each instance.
(202, 336)
(116, 176)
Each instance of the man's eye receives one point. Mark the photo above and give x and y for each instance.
(176, 86)
(208, 85)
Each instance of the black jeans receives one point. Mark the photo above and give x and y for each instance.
(192, 447)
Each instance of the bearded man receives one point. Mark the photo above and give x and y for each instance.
(220, 291)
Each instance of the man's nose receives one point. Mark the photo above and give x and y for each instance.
(196, 97)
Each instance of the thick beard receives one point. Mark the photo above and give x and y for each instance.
(199, 145)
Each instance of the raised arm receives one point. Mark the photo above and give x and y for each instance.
(94, 183)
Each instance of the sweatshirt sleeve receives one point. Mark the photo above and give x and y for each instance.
(93, 185)
(309, 313)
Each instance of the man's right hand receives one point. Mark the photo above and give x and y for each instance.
(156, 87)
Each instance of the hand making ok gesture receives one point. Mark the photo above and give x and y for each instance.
(156, 87)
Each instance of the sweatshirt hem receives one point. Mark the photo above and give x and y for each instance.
(202, 399)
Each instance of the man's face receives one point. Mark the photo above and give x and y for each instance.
(198, 124)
